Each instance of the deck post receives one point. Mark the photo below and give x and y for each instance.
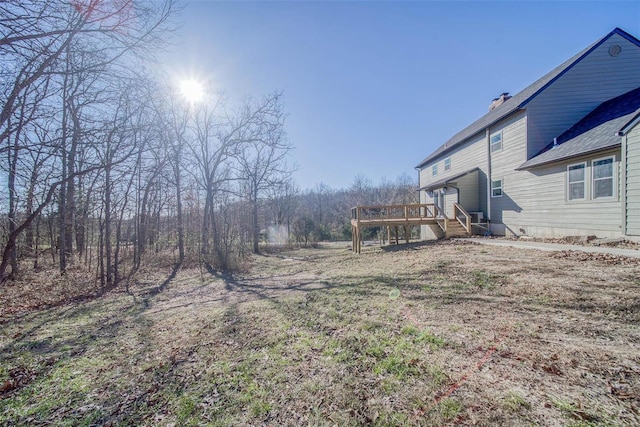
(354, 246)
(392, 217)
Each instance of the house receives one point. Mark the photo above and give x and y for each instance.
(560, 158)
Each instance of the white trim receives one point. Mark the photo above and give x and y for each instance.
(497, 145)
(501, 187)
(613, 178)
(568, 183)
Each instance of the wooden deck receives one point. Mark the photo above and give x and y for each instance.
(395, 217)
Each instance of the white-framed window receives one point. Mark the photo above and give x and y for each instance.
(434, 170)
(576, 181)
(496, 141)
(602, 182)
(496, 188)
(447, 164)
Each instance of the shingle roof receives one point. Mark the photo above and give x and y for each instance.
(444, 181)
(519, 100)
(596, 131)
(628, 126)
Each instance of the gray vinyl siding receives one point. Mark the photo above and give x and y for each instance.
(534, 201)
(503, 162)
(632, 198)
(470, 155)
(451, 197)
(465, 157)
(545, 212)
(595, 79)
(469, 196)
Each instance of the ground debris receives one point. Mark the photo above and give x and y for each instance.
(18, 377)
(597, 257)
(321, 336)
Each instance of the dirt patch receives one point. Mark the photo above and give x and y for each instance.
(434, 333)
(582, 241)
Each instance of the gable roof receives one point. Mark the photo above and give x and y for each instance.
(597, 131)
(522, 98)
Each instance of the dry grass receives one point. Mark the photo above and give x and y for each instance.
(433, 334)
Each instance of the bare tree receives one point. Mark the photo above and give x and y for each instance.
(282, 202)
(214, 144)
(262, 158)
(56, 59)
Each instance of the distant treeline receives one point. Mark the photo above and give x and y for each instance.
(104, 164)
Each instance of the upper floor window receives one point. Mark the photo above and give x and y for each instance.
(434, 170)
(496, 141)
(447, 164)
(602, 177)
(576, 181)
(496, 188)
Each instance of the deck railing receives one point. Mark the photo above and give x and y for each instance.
(462, 216)
(404, 217)
(394, 212)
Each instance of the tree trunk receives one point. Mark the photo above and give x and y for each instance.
(12, 155)
(107, 228)
(31, 242)
(62, 250)
(255, 225)
(179, 219)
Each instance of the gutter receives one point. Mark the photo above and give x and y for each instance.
(573, 156)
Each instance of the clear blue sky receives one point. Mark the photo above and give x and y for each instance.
(371, 88)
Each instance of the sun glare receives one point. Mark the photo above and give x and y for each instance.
(192, 90)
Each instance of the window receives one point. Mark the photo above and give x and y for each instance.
(576, 181)
(434, 170)
(447, 164)
(496, 188)
(602, 176)
(496, 141)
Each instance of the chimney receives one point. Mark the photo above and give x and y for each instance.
(499, 101)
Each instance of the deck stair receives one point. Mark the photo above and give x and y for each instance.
(402, 217)
(455, 229)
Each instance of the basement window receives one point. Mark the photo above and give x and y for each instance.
(602, 170)
(496, 141)
(447, 164)
(496, 188)
(576, 181)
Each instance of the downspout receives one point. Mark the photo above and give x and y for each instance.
(419, 186)
(488, 138)
(422, 231)
(623, 181)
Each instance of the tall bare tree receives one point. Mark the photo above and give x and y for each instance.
(57, 56)
(262, 159)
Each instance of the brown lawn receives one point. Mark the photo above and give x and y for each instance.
(439, 333)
